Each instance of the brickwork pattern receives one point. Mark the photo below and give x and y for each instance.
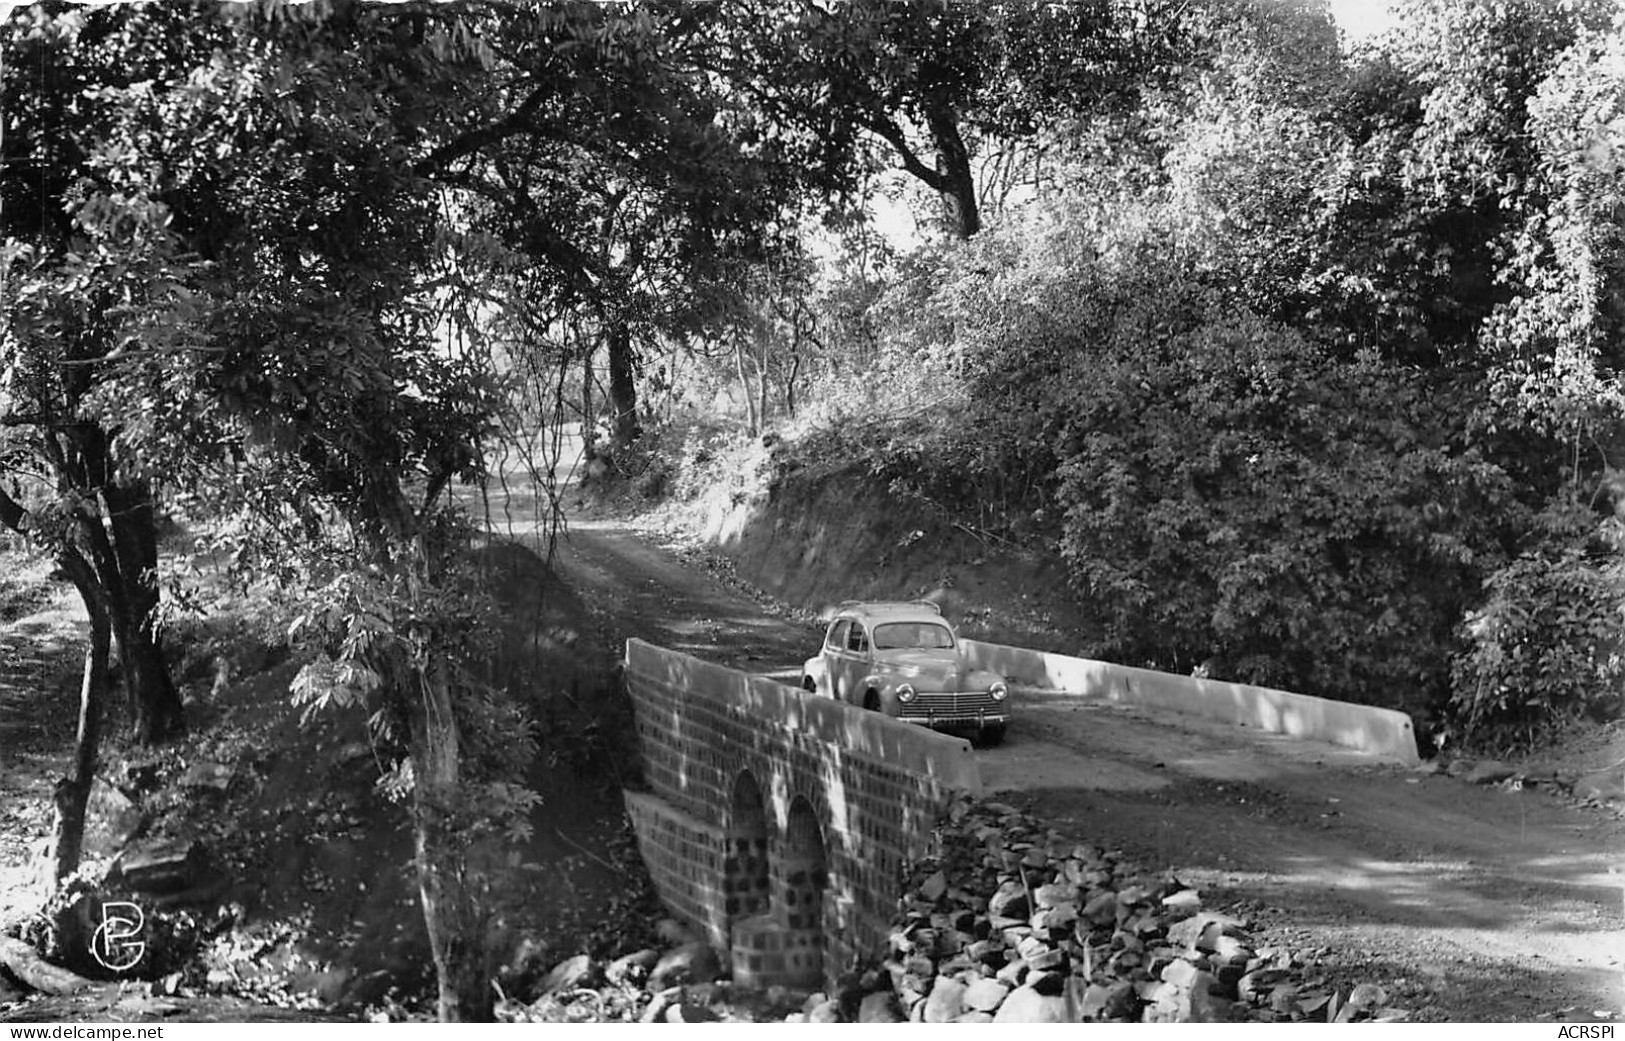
(871, 787)
(685, 857)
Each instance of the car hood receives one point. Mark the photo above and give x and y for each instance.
(934, 664)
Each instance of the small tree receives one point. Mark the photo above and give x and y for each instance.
(85, 330)
(85, 333)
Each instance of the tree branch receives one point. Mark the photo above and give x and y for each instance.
(515, 122)
(893, 135)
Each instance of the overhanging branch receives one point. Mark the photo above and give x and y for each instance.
(893, 135)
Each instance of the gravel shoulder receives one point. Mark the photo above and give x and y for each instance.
(1467, 902)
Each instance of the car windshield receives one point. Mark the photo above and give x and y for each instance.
(897, 636)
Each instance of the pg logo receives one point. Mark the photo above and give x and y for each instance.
(116, 944)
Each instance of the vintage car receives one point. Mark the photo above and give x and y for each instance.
(904, 660)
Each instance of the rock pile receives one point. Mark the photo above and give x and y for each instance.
(1011, 924)
(1007, 923)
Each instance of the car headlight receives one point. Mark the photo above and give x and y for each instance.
(999, 691)
(905, 693)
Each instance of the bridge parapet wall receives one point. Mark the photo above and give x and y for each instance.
(1380, 731)
(743, 769)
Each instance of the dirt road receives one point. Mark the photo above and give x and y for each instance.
(1464, 902)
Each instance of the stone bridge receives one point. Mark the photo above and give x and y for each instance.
(778, 822)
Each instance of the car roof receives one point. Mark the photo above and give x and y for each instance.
(892, 610)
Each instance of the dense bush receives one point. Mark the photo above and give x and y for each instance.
(1237, 498)
(1545, 648)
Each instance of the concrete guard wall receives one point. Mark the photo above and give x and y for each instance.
(1380, 731)
(876, 786)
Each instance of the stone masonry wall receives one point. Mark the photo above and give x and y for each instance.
(875, 786)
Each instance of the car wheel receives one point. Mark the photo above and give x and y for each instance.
(871, 701)
(809, 685)
(988, 737)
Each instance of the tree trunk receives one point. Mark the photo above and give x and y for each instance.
(131, 579)
(623, 390)
(589, 419)
(745, 389)
(762, 387)
(450, 912)
(790, 382)
(72, 793)
(155, 703)
(953, 163)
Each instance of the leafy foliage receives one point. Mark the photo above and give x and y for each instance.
(934, 85)
(1544, 648)
(1238, 498)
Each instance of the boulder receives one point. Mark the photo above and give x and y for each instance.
(1185, 901)
(1194, 1003)
(1284, 999)
(985, 995)
(691, 963)
(1057, 916)
(158, 866)
(824, 1012)
(1025, 1005)
(631, 968)
(1009, 901)
(1229, 948)
(946, 1001)
(1180, 973)
(569, 974)
(880, 1007)
(1253, 986)
(1101, 909)
(1107, 1001)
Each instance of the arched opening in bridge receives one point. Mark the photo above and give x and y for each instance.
(745, 874)
(804, 876)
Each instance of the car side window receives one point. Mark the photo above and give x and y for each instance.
(858, 640)
(837, 634)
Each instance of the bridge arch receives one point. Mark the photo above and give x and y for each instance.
(745, 872)
(803, 882)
